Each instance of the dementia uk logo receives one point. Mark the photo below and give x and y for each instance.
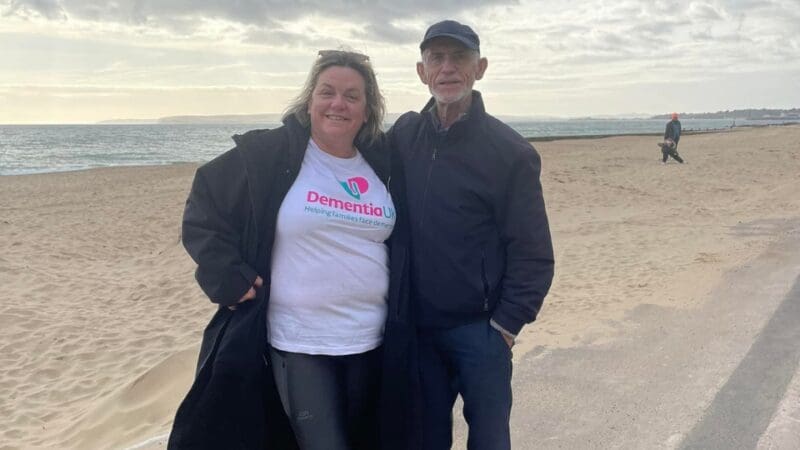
(354, 211)
(355, 187)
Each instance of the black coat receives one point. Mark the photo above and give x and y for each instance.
(229, 229)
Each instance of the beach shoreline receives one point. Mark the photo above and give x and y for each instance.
(101, 319)
(60, 148)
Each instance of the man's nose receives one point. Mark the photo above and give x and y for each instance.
(449, 64)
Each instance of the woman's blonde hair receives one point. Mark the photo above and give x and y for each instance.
(375, 108)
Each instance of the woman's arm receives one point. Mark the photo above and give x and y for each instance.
(213, 222)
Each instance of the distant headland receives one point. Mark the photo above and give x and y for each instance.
(744, 114)
(747, 114)
(215, 119)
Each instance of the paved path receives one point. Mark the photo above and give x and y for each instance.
(784, 430)
(724, 376)
(744, 407)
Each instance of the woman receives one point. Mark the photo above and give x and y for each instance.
(288, 231)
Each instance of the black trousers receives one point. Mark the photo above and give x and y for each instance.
(667, 151)
(331, 401)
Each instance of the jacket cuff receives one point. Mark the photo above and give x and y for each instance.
(505, 332)
(228, 289)
(248, 273)
(242, 284)
(506, 322)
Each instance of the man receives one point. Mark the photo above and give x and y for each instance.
(672, 134)
(481, 255)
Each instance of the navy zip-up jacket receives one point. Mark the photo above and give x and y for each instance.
(673, 131)
(480, 240)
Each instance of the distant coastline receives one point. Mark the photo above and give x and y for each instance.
(742, 114)
(685, 132)
(219, 119)
(199, 120)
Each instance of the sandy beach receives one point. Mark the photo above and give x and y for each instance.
(100, 317)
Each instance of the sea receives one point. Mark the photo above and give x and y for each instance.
(28, 149)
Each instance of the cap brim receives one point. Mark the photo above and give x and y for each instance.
(467, 43)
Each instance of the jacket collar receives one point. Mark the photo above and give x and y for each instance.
(375, 153)
(298, 135)
(474, 116)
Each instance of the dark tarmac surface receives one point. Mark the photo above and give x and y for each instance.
(743, 408)
(710, 378)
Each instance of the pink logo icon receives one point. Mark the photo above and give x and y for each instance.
(355, 187)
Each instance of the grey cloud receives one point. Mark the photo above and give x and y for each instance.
(594, 32)
(592, 57)
(389, 33)
(719, 37)
(661, 8)
(377, 16)
(702, 36)
(279, 37)
(613, 40)
(50, 9)
(703, 11)
(750, 5)
(658, 27)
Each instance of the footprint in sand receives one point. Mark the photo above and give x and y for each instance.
(703, 257)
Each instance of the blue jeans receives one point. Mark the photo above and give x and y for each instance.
(472, 360)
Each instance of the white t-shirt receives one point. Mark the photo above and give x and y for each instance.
(330, 273)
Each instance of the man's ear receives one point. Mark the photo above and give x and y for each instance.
(483, 63)
(421, 72)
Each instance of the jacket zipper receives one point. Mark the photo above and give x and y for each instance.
(425, 191)
(398, 306)
(485, 283)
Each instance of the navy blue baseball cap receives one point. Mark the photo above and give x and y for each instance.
(453, 30)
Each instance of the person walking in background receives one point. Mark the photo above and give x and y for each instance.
(481, 252)
(672, 135)
(288, 231)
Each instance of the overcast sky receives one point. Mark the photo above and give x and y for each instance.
(74, 61)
